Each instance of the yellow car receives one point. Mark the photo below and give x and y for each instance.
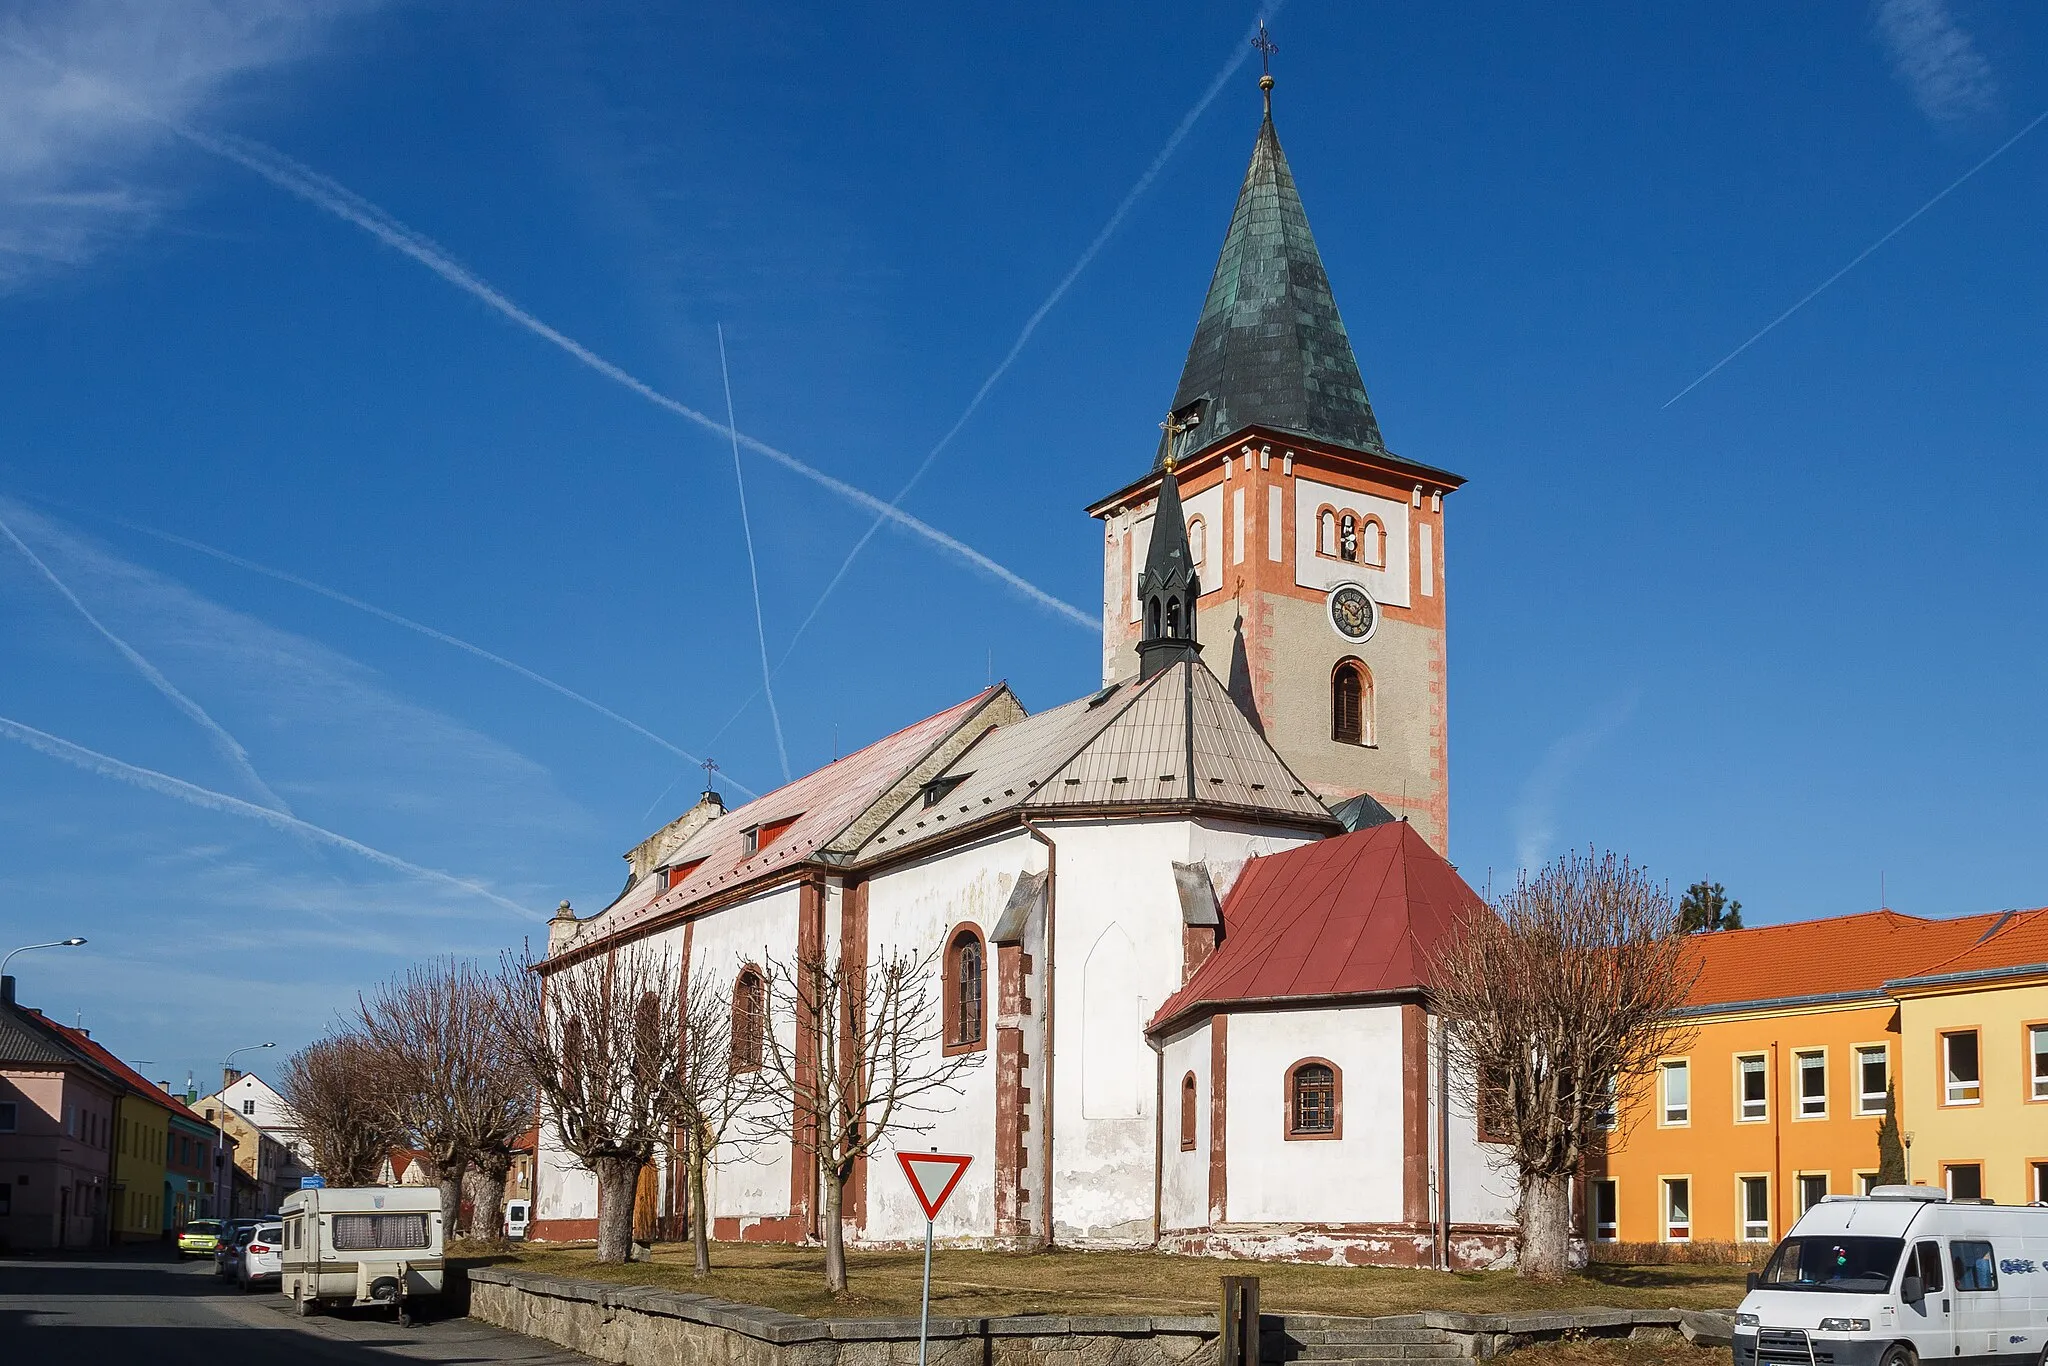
(199, 1238)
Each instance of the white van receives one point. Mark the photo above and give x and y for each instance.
(1899, 1276)
(518, 1214)
(361, 1245)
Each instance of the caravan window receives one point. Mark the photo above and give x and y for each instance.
(1857, 1266)
(379, 1232)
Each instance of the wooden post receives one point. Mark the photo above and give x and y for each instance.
(1237, 1322)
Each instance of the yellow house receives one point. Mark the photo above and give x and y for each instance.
(1974, 1026)
(1776, 1098)
(140, 1139)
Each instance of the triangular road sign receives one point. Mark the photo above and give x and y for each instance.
(932, 1177)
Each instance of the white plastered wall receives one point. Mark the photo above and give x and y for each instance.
(1184, 1184)
(1388, 585)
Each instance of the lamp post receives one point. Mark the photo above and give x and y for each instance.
(53, 944)
(220, 1133)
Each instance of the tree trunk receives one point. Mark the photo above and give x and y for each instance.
(1546, 1216)
(700, 1212)
(487, 1197)
(834, 1230)
(449, 1177)
(617, 1180)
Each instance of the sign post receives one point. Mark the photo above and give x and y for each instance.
(932, 1177)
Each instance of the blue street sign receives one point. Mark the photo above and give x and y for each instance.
(312, 1183)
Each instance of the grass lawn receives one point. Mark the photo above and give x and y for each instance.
(988, 1284)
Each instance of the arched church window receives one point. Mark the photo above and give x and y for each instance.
(1173, 619)
(749, 1020)
(1315, 1099)
(1152, 619)
(1326, 532)
(1347, 537)
(1372, 543)
(1198, 541)
(1351, 703)
(1187, 1113)
(966, 990)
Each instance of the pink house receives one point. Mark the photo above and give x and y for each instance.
(56, 1137)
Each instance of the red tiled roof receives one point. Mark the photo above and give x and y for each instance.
(135, 1081)
(1355, 915)
(2017, 940)
(1841, 955)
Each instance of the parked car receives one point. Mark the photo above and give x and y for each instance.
(518, 1213)
(261, 1261)
(227, 1254)
(198, 1238)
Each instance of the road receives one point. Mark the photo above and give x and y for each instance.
(148, 1308)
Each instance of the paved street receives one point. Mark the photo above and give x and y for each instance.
(117, 1312)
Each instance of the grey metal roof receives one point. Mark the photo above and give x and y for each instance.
(22, 1041)
(1269, 348)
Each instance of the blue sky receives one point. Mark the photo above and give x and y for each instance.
(1782, 632)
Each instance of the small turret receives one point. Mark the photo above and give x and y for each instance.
(1168, 585)
(561, 928)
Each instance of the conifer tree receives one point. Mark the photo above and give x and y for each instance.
(1891, 1152)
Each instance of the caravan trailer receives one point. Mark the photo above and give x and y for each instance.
(1900, 1276)
(377, 1245)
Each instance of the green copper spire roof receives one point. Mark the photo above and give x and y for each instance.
(1270, 348)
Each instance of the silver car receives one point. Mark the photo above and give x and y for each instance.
(261, 1262)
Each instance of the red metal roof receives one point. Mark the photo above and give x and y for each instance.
(1355, 915)
(1837, 956)
(2017, 940)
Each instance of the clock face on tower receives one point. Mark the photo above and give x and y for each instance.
(1353, 613)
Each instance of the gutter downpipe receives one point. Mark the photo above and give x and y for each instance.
(1777, 1146)
(1052, 863)
(1158, 1137)
(1443, 1144)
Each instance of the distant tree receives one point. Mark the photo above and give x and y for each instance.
(1705, 906)
(1891, 1151)
(851, 1055)
(332, 1086)
(1555, 1003)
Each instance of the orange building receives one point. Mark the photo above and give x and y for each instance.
(1776, 1099)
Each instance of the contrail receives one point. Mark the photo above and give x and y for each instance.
(1059, 291)
(739, 479)
(383, 614)
(230, 748)
(323, 193)
(1904, 223)
(92, 761)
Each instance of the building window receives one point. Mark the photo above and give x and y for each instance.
(2039, 1171)
(966, 990)
(7, 1116)
(1866, 1182)
(1677, 1209)
(1813, 1084)
(1677, 1080)
(1608, 1117)
(1187, 1113)
(1198, 541)
(1873, 1079)
(1813, 1188)
(1372, 543)
(1753, 1091)
(1755, 1201)
(2037, 1061)
(1976, 1268)
(749, 1020)
(1961, 1080)
(248, 1107)
(1314, 1100)
(1351, 707)
(1605, 1200)
(1326, 532)
(1964, 1180)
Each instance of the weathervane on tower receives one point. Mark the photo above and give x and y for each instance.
(1267, 47)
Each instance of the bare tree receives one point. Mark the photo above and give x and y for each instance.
(861, 1059)
(1558, 1003)
(601, 1041)
(716, 1087)
(452, 1084)
(332, 1085)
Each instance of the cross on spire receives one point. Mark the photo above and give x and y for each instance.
(710, 766)
(1267, 47)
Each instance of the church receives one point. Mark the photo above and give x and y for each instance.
(1188, 918)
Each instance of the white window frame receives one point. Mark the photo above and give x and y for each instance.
(1799, 1180)
(1806, 1060)
(2037, 1061)
(1753, 1230)
(1870, 1102)
(1948, 1177)
(1952, 1091)
(1680, 1115)
(1763, 1068)
(1610, 1231)
(1666, 1185)
(1866, 1181)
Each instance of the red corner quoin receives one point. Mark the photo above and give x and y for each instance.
(932, 1177)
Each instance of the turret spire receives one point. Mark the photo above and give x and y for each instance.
(1168, 586)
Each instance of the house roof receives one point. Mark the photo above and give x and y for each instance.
(820, 806)
(1356, 915)
(1173, 739)
(2016, 942)
(27, 1036)
(134, 1080)
(1269, 348)
(1840, 956)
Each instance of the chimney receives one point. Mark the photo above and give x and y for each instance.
(6, 991)
(561, 929)
(166, 1087)
(229, 1076)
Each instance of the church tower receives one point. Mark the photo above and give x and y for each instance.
(1313, 555)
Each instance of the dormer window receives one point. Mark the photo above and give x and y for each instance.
(938, 789)
(758, 837)
(751, 839)
(681, 872)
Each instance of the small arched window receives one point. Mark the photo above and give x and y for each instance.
(1152, 619)
(1173, 618)
(1187, 1113)
(1326, 532)
(1198, 541)
(1351, 703)
(749, 1020)
(1372, 543)
(1347, 537)
(1315, 1099)
(966, 988)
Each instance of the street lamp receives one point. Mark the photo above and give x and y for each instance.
(220, 1136)
(53, 944)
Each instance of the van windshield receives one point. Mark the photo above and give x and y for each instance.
(1857, 1266)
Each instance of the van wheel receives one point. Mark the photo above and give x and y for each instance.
(1899, 1354)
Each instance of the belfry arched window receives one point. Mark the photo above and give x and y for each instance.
(1347, 537)
(749, 1020)
(1351, 703)
(966, 990)
(1315, 1099)
(1372, 543)
(1326, 532)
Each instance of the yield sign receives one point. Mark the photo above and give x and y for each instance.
(932, 1177)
